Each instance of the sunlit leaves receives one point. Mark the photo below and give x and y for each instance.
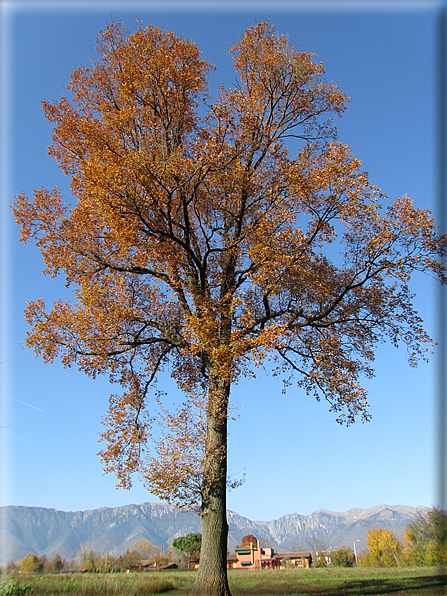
(384, 548)
(210, 237)
(425, 539)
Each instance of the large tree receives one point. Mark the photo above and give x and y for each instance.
(200, 245)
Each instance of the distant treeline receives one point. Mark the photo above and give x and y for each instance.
(424, 544)
(88, 560)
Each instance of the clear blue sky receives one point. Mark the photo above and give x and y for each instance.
(296, 457)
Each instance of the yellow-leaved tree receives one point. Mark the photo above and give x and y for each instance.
(145, 549)
(199, 245)
(384, 548)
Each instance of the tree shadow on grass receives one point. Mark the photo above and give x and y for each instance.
(436, 584)
(427, 585)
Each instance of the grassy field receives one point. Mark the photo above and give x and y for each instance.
(313, 582)
(331, 582)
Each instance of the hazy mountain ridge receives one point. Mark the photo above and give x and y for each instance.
(114, 530)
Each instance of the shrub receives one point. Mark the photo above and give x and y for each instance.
(343, 557)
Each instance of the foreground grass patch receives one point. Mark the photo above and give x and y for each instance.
(332, 582)
(313, 582)
(93, 585)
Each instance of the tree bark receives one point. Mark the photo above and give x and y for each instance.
(212, 575)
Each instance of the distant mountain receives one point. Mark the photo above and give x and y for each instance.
(114, 530)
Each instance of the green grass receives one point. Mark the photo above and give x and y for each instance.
(332, 582)
(314, 582)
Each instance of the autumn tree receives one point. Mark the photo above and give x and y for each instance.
(249, 539)
(384, 548)
(145, 549)
(200, 245)
(27, 563)
(425, 539)
(32, 564)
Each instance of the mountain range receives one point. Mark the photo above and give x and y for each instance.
(114, 530)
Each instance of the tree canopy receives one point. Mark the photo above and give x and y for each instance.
(249, 539)
(198, 245)
(32, 564)
(145, 549)
(426, 538)
(189, 544)
(383, 546)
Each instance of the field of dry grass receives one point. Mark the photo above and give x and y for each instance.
(314, 582)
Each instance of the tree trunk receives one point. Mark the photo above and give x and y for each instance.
(212, 575)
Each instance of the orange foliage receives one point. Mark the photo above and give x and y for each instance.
(200, 242)
(249, 539)
(198, 245)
